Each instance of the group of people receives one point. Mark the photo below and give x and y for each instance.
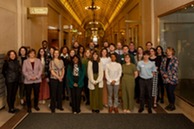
(97, 74)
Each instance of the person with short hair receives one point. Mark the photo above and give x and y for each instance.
(32, 71)
(129, 71)
(169, 72)
(132, 49)
(146, 70)
(149, 45)
(113, 74)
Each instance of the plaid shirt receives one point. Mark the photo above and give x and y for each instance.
(171, 72)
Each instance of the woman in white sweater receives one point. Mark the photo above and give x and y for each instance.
(105, 59)
(95, 82)
(113, 74)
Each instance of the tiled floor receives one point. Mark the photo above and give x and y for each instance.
(5, 116)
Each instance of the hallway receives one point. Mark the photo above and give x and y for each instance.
(96, 22)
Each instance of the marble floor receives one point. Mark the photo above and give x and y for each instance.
(5, 116)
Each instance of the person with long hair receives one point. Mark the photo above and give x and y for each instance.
(169, 72)
(113, 74)
(95, 82)
(105, 59)
(75, 75)
(129, 71)
(153, 59)
(32, 71)
(72, 52)
(138, 57)
(85, 59)
(44, 87)
(57, 73)
(22, 55)
(81, 51)
(65, 57)
(160, 55)
(11, 71)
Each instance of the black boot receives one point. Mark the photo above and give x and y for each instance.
(168, 107)
(172, 108)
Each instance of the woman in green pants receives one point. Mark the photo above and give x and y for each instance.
(128, 84)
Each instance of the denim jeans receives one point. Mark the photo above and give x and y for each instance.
(113, 92)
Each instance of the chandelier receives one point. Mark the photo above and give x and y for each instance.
(92, 7)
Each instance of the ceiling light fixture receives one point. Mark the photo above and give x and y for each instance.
(95, 22)
(92, 7)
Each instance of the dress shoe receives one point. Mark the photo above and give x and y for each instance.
(11, 111)
(168, 107)
(110, 109)
(172, 108)
(37, 108)
(87, 103)
(149, 111)
(161, 100)
(116, 110)
(16, 110)
(97, 111)
(29, 110)
(53, 111)
(61, 109)
(140, 110)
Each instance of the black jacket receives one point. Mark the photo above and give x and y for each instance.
(11, 71)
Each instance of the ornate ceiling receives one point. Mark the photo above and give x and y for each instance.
(108, 10)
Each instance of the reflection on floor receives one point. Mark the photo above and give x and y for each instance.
(185, 90)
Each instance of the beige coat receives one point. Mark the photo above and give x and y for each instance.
(99, 80)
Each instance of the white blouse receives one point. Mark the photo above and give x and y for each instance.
(113, 72)
(105, 61)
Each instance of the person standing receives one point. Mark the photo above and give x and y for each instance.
(160, 55)
(146, 70)
(32, 71)
(22, 55)
(169, 72)
(57, 73)
(138, 57)
(65, 58)
(85, 59)
(105, 60)
(129, 71)
(75, 76)
(95, 82)
(132, 49)
(11, 72)
(44, 87)
(149, 45)
(113, 74)
(153, 58)
(126, 51)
